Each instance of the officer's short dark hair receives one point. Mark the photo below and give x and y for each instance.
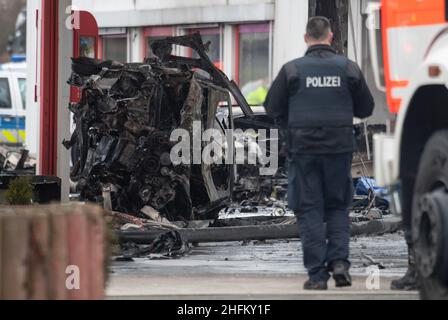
(318, 28)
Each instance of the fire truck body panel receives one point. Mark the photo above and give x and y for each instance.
(409, 29)
(415, 39)
(388, 150)
(412, 159)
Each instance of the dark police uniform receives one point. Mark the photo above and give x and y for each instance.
(316, 97)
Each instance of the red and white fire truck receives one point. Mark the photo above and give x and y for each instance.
(409, 44)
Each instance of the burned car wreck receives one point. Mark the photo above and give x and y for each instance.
(121, 144)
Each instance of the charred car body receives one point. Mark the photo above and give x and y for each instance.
(123, 126)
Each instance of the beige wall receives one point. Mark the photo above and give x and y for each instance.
(291, 17)
(108, 5)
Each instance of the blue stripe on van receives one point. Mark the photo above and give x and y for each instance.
(12, 123)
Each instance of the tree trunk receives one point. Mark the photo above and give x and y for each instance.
(337, 12)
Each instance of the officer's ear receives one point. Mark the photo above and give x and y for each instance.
(330, 37)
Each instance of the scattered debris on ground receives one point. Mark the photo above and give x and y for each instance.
(168, 245)
(275, 257)
(122, 144)
(370, 202)
(250, 221)
(13, 160)
(16, 163)
(372, 262)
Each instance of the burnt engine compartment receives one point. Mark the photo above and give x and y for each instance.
(124, 120)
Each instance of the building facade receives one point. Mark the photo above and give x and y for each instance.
(250, 39)
(242, 33)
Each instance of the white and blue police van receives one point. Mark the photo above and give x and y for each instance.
(12, 104)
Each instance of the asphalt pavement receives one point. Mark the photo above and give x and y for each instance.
(259, 270)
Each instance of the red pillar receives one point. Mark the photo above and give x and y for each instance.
(49, 87)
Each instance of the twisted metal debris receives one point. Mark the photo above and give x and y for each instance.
(121, 144)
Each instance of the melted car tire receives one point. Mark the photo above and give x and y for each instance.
(431, 177)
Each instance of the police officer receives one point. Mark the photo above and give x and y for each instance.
(316, 97)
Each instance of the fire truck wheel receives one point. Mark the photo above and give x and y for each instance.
(430, 218)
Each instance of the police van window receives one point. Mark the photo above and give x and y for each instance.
(22, 87)
(253, 67)
(5, 94)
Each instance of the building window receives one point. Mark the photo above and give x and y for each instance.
(87, 47)
(253, 61)
(5, 94)
(115, 48)
(154, 34)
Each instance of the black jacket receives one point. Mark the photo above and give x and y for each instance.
(324, 139)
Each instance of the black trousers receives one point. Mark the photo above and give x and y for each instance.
(320, 193)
